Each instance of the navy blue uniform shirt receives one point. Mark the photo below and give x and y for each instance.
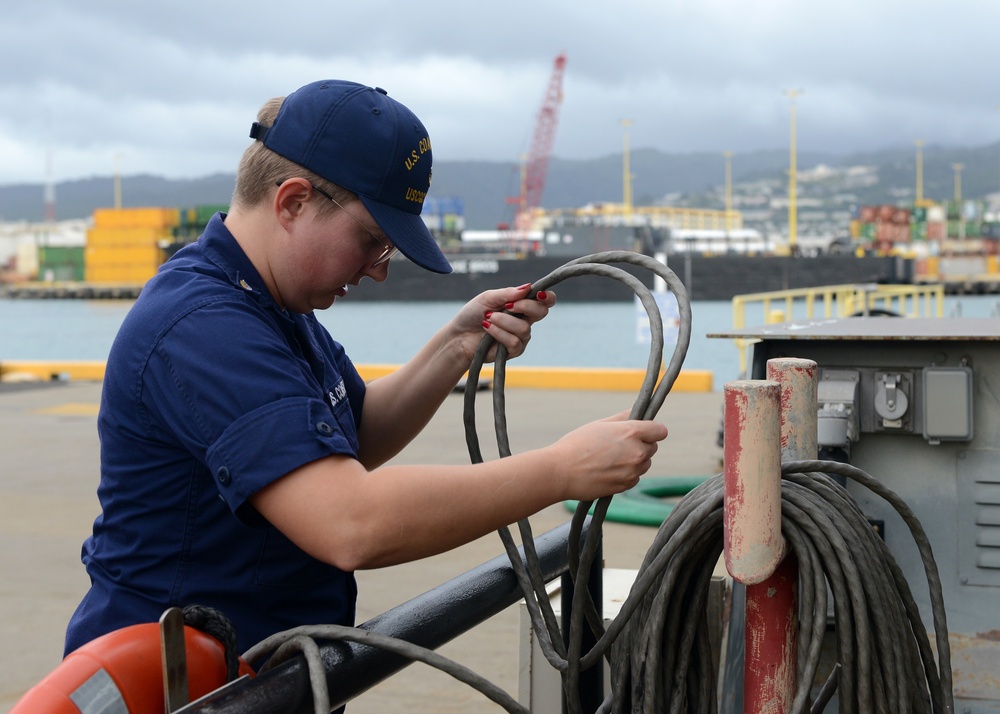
(212, 391)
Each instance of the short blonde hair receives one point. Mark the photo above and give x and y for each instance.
(261, 169)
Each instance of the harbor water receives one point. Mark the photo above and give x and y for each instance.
(574, 335)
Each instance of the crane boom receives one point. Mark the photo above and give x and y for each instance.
(536, 166)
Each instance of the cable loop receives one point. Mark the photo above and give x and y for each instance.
(569, 659)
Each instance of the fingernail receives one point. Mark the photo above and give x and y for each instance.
(509, 306)
(486, 324)
(488, 313)
(540, 295)
(525, 286)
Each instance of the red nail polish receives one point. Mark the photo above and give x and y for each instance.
(525, 286)
(486, 324)
(488, 313)
(509, 306)
(540, 295)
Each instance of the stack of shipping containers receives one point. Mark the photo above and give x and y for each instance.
(61, 263)
(888, 229)
(929, 230)
(950, 242)
(929, 224)
(444, 217)
(967, 218)
(47, 251)
(885, 230)
(967, 255)
(125, 245)
(191, 224)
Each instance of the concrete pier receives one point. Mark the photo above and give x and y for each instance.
(49, 471)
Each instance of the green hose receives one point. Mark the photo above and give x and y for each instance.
(642, 505)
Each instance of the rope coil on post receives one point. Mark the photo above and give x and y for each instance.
(886, 663)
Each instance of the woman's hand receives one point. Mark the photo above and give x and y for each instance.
(607, 456)
(506, 315)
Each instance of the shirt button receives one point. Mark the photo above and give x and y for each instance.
(223, 475)
(324, 428)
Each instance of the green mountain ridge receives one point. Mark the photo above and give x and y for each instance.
(483, 185)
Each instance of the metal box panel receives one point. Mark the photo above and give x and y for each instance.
(948, 403)
(979, 525)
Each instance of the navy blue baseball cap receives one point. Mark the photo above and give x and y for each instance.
(363, 140)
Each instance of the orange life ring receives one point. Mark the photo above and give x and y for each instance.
(122, 672)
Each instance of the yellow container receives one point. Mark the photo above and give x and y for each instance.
(136, 217)
(129, 254)
(122, 273)
(127, 236)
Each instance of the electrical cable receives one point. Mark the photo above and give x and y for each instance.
(658, 646)
(886, 663)
(568, 659)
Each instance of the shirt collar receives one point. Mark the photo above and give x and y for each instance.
(224, 251)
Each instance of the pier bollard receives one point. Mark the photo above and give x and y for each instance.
(752, 479)
(772, 605)
(755, 550)
(799, 380)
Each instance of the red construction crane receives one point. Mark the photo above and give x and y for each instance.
(536, 165)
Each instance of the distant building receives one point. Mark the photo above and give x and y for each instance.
(22, 243)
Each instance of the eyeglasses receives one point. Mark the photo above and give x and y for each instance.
(387, 250)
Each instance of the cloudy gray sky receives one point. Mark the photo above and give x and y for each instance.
(170, 88)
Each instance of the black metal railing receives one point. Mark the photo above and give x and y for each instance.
(429, 620)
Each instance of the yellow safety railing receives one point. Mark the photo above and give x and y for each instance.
(834, 301)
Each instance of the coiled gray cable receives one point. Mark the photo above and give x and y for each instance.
(886, 664)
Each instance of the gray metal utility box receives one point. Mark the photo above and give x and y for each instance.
(916, 404)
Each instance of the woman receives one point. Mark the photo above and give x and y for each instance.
(242, 455)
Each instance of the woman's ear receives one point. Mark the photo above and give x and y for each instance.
(290, 200)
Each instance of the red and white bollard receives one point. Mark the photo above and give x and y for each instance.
(799, 380)
(766, 421)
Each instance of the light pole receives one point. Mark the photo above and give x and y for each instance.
(920, 172)
(118, 182)
(958, 199)
(626, 170)
(998, 109)
(792, 207)
(729, 189)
